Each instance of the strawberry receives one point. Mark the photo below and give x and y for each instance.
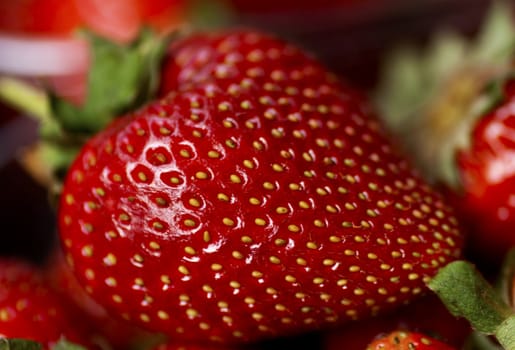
(239, 55)
(453, 111)
(175, 346)
(487, 178)
(117, 333)
(250, 207)
(29, 309)
(426, 315)
(236, 56)
(400, 340)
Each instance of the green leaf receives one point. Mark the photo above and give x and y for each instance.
(63, 344)
(467, 294)
(478, 341)
(208, 14)
(121, 78)
(496, 40)
(505, 283)
(19, 344)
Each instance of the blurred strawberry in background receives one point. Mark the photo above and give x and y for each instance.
(115, 19)
(37, 37)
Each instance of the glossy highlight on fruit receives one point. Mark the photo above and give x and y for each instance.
(264, 204)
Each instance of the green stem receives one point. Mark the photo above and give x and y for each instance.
(25, 97)
(505, 333)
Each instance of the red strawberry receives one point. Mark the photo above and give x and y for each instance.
(487, 172)
(426, 315)
(30, 310)
(117, 333)
(175, 346)
(262, 205)
(237, 57)
(242, 57)
(400, 340)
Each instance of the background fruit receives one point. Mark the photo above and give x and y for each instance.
(29, 309)
(427, 315)
(401, 340)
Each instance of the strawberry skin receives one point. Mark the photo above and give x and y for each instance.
(426, 315)
(487, 173)
(238, 210)
(174, 346)
(400, 340)
(117, 333)
(237, 56)
(30, 310)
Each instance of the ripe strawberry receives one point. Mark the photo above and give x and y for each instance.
(104, 328)
(175, 346)
(237, 57)
(400, 340)
(427, 315)
(250, 207)
(30, 310)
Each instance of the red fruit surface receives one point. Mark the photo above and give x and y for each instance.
(116, 19)
(173, 346)
(29, 309)
(407, 341)
(118, 333)
(261, 204)
(235, 57)
(487, 171)
(426, 315)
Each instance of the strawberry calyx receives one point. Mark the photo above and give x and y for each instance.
(19, 344)
(122, 77)
(506, 283)
(432, 99)
(467, 294)
(24, 344)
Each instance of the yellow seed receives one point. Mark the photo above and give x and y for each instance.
(235, 179)
(194, 202)
(281, 210)
(268, 185)
(190, 223)
(201, 175)
(290, 278)
(275, 260)
(311, 245)
(246, 239)
(318, 280)
(228, 222)
(183, 269)
(237, 255)
(213, 154)
(328, 262)
(293, 228)
(216, 267)
(222, 197)
(190, 250)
